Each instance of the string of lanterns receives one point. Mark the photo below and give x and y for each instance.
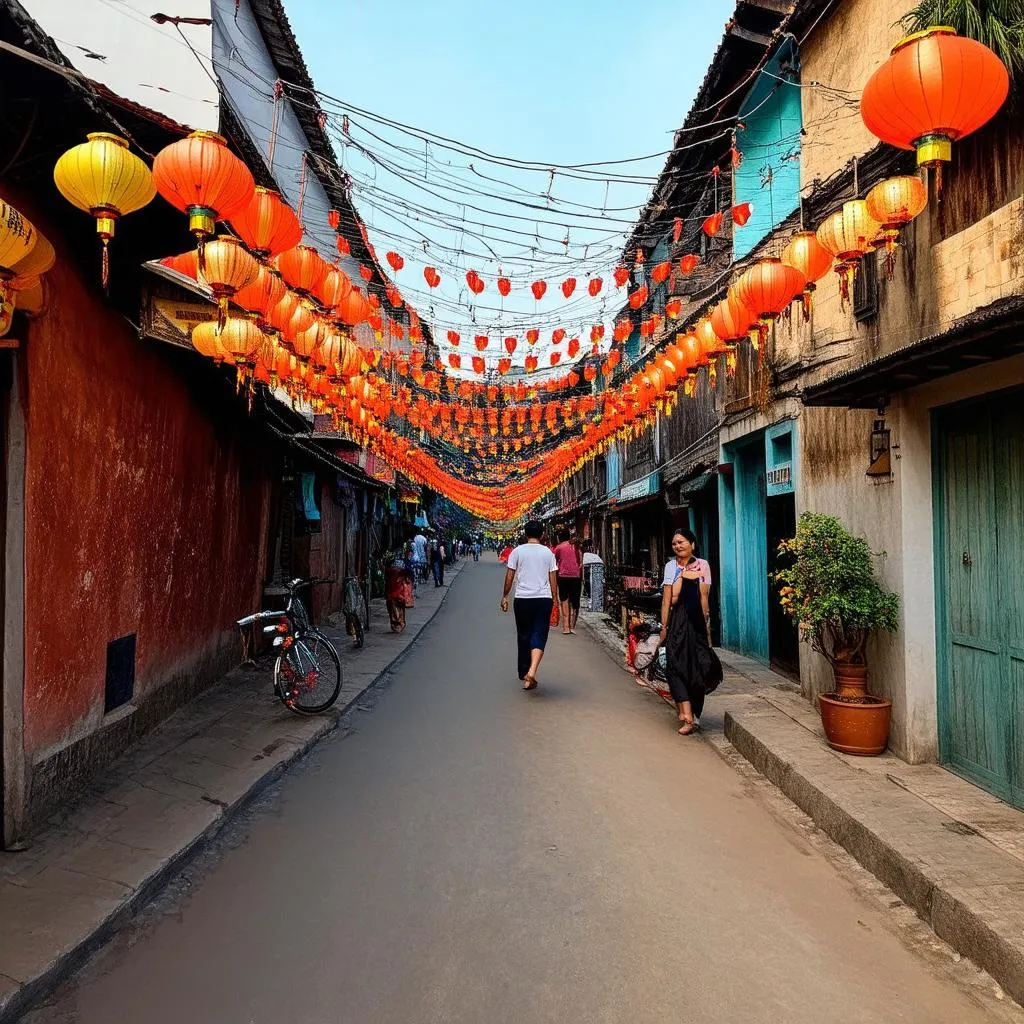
(285, 315)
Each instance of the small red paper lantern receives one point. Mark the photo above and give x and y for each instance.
(712, 225)
(453, 338)
(510, 345)
(621, 275)
(504, 286)
(741, 214)
(595, 285)
(638, 297)
(481, 342)
(532, 336)
(475, 282)
(539, 288)
(568, 286)
(394, 260)
(688, 264)
(659, 273)
(365, 272)
(431, 276)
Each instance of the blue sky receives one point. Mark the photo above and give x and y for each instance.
(567, 82)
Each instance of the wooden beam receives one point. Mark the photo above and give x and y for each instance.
(751, 37)
(778, 6)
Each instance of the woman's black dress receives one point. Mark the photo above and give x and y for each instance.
(691, 666)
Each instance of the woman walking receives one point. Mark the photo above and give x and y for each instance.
(692, 667)
(533, 568)
(570, 580)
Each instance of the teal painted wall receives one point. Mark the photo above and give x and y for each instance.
(770, 144)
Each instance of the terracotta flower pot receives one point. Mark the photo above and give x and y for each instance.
(859, 726)
(851, 680)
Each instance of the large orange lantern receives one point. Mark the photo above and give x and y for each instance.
(333, 288)
(894, 203)
(262, 293)
(201, 177)
(354, 307)
(303, 268)
(935, 88)
(812, 259)
(848, 234)
(267, 225)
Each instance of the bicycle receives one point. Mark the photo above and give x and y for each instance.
(307, 671)
(353, 607)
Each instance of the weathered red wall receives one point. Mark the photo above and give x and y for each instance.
(146, 508)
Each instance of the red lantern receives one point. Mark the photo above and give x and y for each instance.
(659, 273)
(342, 245)
(594, 286)
(431, 276)
(481, 342)
(621, 275)
(267, 225)
(573, 347)
(510, 345)
(333, 219)
(673, 308)
(394, 261)
(568, 286)
(555, 357)
(539, 288)
(454, 360)
(638, 297)
(532, 336)
(935, 88)
(478, 364)
(741, 214)
(333, 288)
(504, 365)
(475, 282)
(453, 338)
(712, 225)
(201, 177)
(557, 335)
(623, 329)
(354, 308)
(365, 272)
(504, 286)
(731, 320)
(688, 264)
(596, 333)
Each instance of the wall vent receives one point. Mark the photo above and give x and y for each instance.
(120, 685)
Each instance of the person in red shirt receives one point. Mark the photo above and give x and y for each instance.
(570, 580)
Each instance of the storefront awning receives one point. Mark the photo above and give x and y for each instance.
(994, 332)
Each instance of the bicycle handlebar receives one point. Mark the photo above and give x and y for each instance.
(298, 582)
(250, 620)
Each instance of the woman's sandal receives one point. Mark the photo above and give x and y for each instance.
(529, 682)
(689, 728)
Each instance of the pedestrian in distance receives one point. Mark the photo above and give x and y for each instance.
(570, 580)
(420, 546)
(438, 556)
(534, 571)
(691, 666)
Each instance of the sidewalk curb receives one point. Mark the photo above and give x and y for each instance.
(932, 898)
(25, 998)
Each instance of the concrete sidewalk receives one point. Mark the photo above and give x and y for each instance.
(949, 850)
(95, 865)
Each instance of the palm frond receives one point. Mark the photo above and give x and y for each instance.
(999, 24)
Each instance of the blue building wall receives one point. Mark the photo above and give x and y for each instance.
(613, 467)
(769, 176)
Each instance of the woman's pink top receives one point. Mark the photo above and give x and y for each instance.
(568, 560)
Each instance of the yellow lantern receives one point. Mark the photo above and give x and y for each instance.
(894, 203)
(104, 178)
(206, 341)
(18, 238)
(848, 234)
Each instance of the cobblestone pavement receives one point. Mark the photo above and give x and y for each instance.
(466, 852)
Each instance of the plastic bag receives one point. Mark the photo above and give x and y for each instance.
(554, 613)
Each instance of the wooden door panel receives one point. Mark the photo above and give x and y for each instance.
(971, 569)
(979, 720)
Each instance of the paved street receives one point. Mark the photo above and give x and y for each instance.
(471, 853)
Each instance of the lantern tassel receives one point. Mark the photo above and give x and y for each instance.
(222, 313)
(105, 263)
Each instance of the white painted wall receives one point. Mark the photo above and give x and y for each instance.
(119, 45)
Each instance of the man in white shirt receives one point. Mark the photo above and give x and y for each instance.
(533, 568)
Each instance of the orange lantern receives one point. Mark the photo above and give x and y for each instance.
(354, 308)
(228, 267)
(240, 339)
(333, 288)
(267, 225)
(200, 176)
(848, 235)
(711, 344)
(768, 287)
(731, 320)
(894, 203)
(812, 259)
(262, 293)
(935, 88)
(206, 341)
(303, 268)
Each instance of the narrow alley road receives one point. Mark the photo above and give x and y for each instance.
(470, 853)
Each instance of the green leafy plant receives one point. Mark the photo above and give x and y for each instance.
(828, 586)
(999, 24)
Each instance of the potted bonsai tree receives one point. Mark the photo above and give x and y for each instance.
(828, 585)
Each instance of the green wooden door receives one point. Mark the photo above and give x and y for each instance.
(979, 499)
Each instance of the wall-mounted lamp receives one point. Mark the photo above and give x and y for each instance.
(880, 452)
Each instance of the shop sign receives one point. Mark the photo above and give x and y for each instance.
(642, 488)
(781, 476)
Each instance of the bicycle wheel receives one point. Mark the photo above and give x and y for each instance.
(308, 677)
